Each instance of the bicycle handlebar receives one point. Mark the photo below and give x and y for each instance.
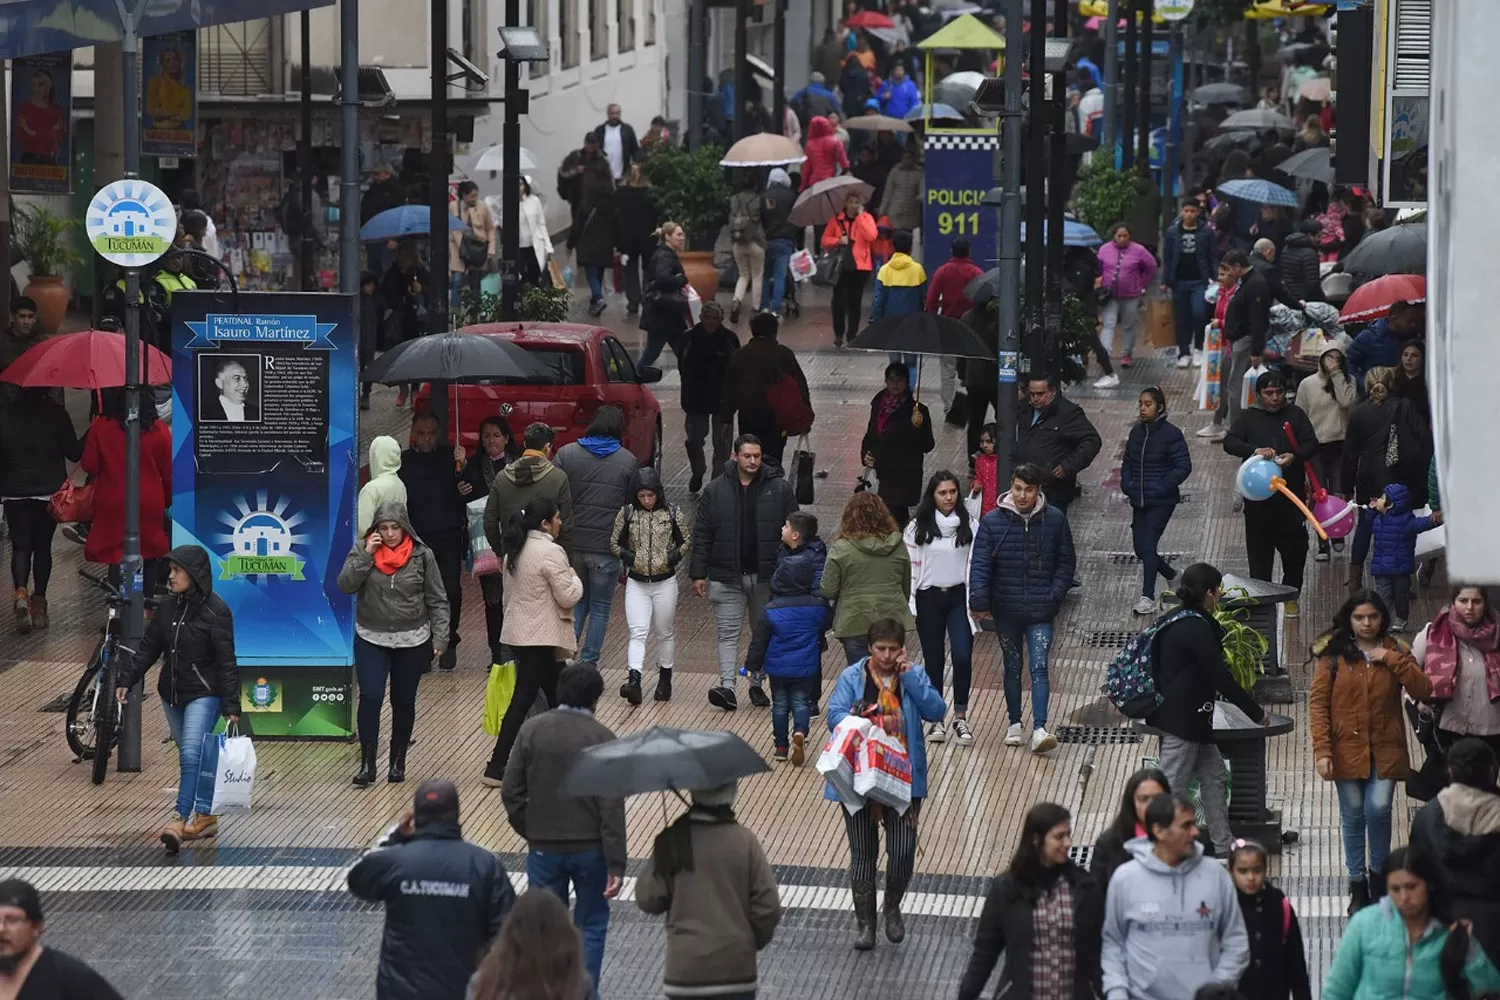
(114, 595)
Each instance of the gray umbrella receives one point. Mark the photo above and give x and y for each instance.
(661, 759)
(455, 357)
(1257, 120)
(1314, 164)
(1394, 250)
(1221, 93)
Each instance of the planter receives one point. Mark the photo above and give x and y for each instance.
(701, 272)
(51, 297)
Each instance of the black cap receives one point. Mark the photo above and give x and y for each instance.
(23, 896)
(435, 799)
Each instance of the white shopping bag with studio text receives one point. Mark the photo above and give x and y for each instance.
(234, 776)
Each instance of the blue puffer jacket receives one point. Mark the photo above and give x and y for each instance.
(1394, 552)
(920, 702)
(788, 639)
(1021, 567)
(1375, 347)
(1156, 463)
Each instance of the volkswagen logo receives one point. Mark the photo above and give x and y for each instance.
(506, 409)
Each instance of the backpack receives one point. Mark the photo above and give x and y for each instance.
(740, 223)
(1130, 681)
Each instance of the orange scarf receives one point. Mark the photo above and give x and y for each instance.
(388, 559)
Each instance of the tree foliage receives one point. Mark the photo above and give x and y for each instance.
(1103, 195)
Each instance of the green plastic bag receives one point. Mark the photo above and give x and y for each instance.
(498, 692)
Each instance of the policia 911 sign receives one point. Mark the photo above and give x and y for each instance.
(959, 172)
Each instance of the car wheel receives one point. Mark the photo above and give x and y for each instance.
(656, 447)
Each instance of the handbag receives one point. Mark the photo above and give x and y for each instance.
(831, 265)
(1432, 776)
(1103, 293)
(72, 503)
(802, 470)
(473, 252)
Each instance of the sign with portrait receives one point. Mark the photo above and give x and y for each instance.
(169, 115)
(41, 124)
(958, 172)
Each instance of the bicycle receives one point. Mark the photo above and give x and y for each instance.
(93, 713)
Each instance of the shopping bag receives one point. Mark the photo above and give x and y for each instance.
(498, 692)
(1161, 324)
(867, 482)
(694, 303)
(802, 266)
(1247, 389)
(486, 560)
(1432, 542)
(233, 772)
(882, 770)
(1211, 374)
(802, 470)
(72, 503)
(836, 762)
(555, 272)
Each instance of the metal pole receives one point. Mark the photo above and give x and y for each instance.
(1036, 175)
(349, 151)
(778, 63)
(1127, 98)
(135, 613)
(1009, 299)
(741, 71)
(1174, 132)
(5, 261)
(304, 157)
(1057, 173)
(1143, 136)
(697, 69)
(510, 173)
(1111, 136)
(440, 165)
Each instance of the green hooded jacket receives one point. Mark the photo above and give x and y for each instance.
(867, 579)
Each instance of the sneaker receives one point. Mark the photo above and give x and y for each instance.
(631, 689)
(779, 755)
(1110, 381)
(1014, 736)
(1292, 610)
(799, 749)
(1144, 606)
(1398, 624)
(489, 782)
(936, 733)
(1184, 361)
(1042, 741)
(1127, 359)
(1338, 546)
(1213, 432)
(723, 697)
(962, 733)
(1197, 358)
(758, 697)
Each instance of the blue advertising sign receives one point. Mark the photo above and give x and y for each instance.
(264, 476)
(959, 171)
(169, 124)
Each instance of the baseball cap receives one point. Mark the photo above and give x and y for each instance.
(434, 799)
(23, 896)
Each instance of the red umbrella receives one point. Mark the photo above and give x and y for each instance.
(1374, 299)
(869, 19)
(90, 359)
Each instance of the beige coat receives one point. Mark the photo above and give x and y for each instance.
(539, 596)
(477, 218)
(1328, 411)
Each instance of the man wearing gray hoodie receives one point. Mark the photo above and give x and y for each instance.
(1171, 919)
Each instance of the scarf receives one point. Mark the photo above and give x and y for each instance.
(1441, 661)
(672, 851)
(388, 559)
(888, 406)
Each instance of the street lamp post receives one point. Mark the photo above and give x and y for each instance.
(518, 45)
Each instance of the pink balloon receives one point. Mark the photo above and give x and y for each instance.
(1337, 515)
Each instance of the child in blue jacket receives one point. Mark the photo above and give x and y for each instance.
(1393, 557)
(788, 641)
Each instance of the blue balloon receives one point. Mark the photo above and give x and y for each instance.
(1254, 478)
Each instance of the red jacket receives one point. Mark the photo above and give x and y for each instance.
(825, 154)
(945, 289)
(104, 460)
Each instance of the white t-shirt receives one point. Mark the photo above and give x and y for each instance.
(614, 150)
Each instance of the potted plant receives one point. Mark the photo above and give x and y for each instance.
(688, 187)
(45, 240)
(1244, 647)
(539, 304)
(1103, 195)
(1067, 355)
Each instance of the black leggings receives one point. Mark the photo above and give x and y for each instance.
(31, 528)
(848, 296)
(537, 668)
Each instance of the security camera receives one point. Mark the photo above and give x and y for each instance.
(473, 77)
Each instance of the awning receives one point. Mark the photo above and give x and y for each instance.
(31, 27)
(966, 32)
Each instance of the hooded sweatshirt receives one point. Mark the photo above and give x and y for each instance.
(1169, 930)
(900, 288)
(527, 478)
(402, 609)
(1458, 832)
(867, 579)
(650, 543)
(825, 154)
(1328, 399)
(385, 483)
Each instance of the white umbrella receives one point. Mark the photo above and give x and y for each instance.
(492, 159)
(764, 149)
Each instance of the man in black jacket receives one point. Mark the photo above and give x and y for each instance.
(1247, 320)
(618, 142)
(1275, 525)
(1263, 260)
(702, 363)
(445, 900)
(736, 537)
(438, 517)
(1055, 433)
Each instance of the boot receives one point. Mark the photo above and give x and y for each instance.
(198, 827)
(895, 926)
(864, 915)
(23, 611)
(397, 773)
(1356, 578)
(631, 689)
(663, 686)
(365, 776)
(171, 835)
(39, 612)
(1359, 896)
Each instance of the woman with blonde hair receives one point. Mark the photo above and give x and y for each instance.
(635, 237)
(664, 309)
(1385, 443)
(868, 574)
(538, 955)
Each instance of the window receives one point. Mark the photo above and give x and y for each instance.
(567, 30)
(625, 18)
(536, 17)
(598, 28)
(617, 364)
(650, 38)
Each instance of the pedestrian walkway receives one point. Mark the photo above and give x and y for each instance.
(263, 909)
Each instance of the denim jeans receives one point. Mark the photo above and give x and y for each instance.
(600, 573)
(791, 696)
(656, 339)
(1364, 533)
(1189, 315)
(943, 611)
(587, 872)
(1147, 524)
(455, 289)
(856, 648)
(596, 283)
(1038, 639)
(773, 284)
(1365, 818)
(189, 724)
(373, 664)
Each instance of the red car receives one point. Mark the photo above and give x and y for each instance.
(592, 368)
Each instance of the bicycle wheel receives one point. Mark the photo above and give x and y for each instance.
(106, 715)
(81, 709)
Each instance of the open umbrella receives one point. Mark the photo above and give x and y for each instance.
(1315, 164)
(764, 149)
(895, 34)
(923, 333)
(876, 123)
(1221, 93)
(1373, 300)
(406, 220)
(493, 159)
(455, 357)
(937, 112)
(1318, 89)
(869, 19)
(825, 199)
(1226, 142)
(89, 359)
(957, 89)
(1394, 250)
(1258, 190)
(1257, 120)
(661, 759)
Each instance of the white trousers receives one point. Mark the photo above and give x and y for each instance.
(651, 606)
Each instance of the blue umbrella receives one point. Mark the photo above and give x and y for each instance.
(408, 220)
(1075, 234)
(939, 111)
(1260, 191)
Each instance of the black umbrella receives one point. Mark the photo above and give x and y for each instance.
(455, 357)
(1221, 93)
(1400, 249)
(661, 759)
(923, 333)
